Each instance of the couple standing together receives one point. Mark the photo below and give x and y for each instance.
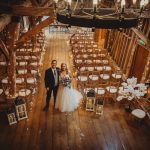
(66, 99)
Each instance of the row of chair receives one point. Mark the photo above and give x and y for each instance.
(28, 61)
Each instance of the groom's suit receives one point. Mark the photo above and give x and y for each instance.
(51, 82)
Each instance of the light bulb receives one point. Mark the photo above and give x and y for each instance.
(123, 3)
(142, 3)
(95, 2)
(146, 2)
(69, 1)
(134, 1)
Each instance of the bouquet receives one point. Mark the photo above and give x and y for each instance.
(66, 81)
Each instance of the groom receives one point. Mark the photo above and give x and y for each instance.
(51, 83)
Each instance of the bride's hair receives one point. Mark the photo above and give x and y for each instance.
(65, 65)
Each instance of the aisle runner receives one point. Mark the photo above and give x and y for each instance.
(58, 45)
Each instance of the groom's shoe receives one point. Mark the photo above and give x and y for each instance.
(45, 108)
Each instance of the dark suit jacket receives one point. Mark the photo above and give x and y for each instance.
(49, 78)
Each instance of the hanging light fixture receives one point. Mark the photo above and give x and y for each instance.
(96, 17)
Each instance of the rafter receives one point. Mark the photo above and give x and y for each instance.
(4, 20)
(4, 49)
(34, 30)
(27, 11)
(142, 36)
(34, 3)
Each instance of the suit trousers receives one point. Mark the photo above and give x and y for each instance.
(49, 92)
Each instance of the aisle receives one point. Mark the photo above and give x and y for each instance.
(58, 47)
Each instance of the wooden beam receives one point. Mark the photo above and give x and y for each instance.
(34, 3)
(34, 30)
(14, 30)
(47, 3)
(4, 49)
(4, 20)
(27, 11)
(142, 37)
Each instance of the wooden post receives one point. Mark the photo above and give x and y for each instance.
(128, 53)
(132, 52)
(146, 70)
(13, 36)
(96, 35)
(4, 20)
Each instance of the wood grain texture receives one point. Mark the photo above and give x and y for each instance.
(79, 130)
(27, 11)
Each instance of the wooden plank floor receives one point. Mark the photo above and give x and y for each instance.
(114, 130)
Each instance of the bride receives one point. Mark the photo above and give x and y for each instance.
(68, 99)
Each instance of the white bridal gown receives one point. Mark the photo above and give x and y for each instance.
(68, 99)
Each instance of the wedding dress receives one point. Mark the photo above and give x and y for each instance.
(68, 99)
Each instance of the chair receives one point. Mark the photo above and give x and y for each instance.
(112, 91)
(82, 79)
(138, 114)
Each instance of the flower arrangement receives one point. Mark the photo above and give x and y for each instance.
(131, 89)
(66, 81)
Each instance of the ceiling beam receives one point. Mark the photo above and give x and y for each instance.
(27, 11)
(4, 20)
(4, 49)
(142, 36)
(47, 3)
(34, 31)
(34, 3)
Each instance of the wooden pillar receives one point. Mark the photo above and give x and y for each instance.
(128, 53)
(96, 35)
(13, 36)
(4, 20)
(133, 48)
(146, 70)
(99, 36)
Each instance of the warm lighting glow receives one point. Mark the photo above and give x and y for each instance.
(146, 2)
(69, 1)
(123, 3)
(134, 1)
(148, 92)
(56, 1)
(142, 3)
(95, 2)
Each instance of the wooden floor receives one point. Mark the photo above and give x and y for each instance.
(114, 130)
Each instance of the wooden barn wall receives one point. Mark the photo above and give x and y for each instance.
(139, 62)
(124, 48)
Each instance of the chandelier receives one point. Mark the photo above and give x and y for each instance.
(97, 17)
